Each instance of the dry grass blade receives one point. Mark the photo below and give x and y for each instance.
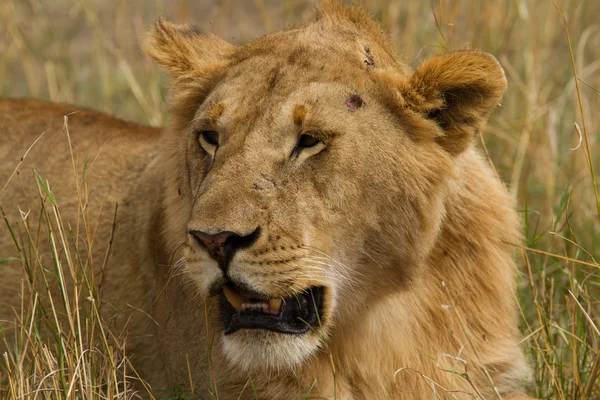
(587, 316)
(21, 161)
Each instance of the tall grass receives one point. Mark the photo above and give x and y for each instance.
(543, 143)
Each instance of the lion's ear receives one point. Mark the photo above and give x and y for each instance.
(458, 91)
(194, 59)
(185, 50)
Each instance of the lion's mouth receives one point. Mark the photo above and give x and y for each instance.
(241, 309)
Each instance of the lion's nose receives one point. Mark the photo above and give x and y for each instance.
(223, 245)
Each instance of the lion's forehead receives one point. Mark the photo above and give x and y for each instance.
(321, 105)
(276, 65)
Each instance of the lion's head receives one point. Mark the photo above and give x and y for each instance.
(308, 170)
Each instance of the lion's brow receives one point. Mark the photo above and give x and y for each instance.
(299, 114)
(215, 112)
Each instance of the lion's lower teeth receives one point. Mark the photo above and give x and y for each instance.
(273, 306)
(255, 306)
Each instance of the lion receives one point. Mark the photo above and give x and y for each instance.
(316, 220)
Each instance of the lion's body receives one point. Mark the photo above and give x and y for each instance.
(113, 178)
(425, 280)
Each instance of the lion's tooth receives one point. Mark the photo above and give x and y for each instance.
(233, 298)
(275, 305)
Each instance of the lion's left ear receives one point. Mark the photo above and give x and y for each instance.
(458, 91)
(186, 49)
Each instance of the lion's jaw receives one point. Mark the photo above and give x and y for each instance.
(257, 343)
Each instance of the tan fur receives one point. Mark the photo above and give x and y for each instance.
(397, 214)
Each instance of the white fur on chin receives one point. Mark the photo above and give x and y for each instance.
(258, 349)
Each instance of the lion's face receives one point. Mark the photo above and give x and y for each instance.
(312, 179)
(304, 191)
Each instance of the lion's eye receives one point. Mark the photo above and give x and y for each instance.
(210, 137)
(307, 141)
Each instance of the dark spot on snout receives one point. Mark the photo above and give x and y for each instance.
(268, 178)
(354, 102)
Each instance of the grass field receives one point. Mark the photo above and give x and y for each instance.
(543, 142)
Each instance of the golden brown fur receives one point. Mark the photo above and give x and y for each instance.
(397, 214)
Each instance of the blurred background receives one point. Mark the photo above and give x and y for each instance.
(87, 52)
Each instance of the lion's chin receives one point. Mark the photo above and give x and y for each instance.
(262, 333)
(260, 350)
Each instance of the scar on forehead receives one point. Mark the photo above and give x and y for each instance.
(354, 102)
(369, 60)
(299, 114)
(216, 111)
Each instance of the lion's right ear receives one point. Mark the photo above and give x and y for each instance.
(185, 51)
